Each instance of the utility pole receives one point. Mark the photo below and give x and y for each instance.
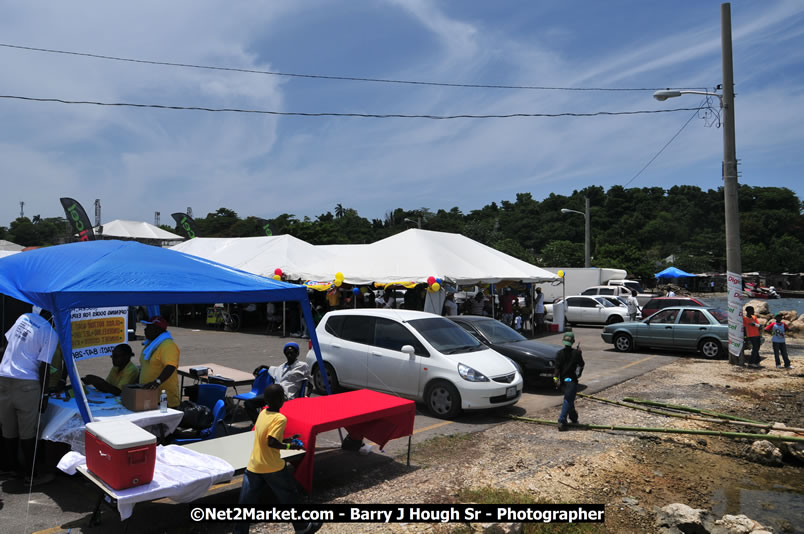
(22, 211)
(156, 218)
(588, 241)
(734, 267)
(97, 212)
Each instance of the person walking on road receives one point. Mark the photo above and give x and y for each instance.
(569, 367)
(633, 305)
(751, 325)
(778, 329)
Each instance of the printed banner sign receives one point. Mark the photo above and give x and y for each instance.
(78, 219)
(186, 225)
(735, 305)
(318, 285)
(96, 331)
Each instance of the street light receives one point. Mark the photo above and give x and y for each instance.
(730, 186)
(587, 247)
(417, 222)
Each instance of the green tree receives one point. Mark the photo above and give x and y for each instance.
(562, 253)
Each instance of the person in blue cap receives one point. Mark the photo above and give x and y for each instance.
(290, 376)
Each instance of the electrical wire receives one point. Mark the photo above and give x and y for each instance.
(695, 114)
(340, 78)
(332, 114)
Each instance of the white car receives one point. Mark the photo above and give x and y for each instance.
(415, 355)
(589, 310)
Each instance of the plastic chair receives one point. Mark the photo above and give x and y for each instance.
(302, 390)
(210, 394)
(218, 413)
(257, 387)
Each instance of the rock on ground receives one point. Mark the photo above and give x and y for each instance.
(764, 452)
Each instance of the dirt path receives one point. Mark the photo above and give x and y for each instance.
(632, 473)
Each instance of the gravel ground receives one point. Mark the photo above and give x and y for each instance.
(632, 473)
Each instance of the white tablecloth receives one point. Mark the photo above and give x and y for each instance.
(180, 474)
(62, 421)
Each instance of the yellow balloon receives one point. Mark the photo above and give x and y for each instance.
(436, 286)
(339, 276)
(338, 282)
(560, 274)
(277, 277)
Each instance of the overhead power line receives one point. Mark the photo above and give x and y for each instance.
(695, 114)
(360, 115)
(341, 78)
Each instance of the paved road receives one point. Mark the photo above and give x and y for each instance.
(68, 502)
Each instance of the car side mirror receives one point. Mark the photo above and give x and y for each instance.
(409, 350)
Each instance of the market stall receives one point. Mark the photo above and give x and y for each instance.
(125, 273)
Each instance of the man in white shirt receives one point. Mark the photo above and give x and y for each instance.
(31, 345)
(539, 310)
(633, 305)
(290, 376)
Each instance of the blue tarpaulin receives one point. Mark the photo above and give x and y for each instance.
(126, 273)
(672, 272)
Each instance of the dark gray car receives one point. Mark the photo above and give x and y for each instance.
(534, 358)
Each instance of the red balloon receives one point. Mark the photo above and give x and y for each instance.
(278, 272)
(431, 280)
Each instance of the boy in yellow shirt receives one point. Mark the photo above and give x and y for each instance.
(266, 468)
(123, 372)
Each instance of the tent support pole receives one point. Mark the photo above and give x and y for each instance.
(284, 321)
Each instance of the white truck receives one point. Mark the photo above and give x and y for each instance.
(576, 279)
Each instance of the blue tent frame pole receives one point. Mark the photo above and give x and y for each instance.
(308, 318)
(64, 329)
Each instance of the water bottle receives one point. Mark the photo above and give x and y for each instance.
(163, 402)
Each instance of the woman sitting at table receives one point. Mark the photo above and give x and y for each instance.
(123, 372)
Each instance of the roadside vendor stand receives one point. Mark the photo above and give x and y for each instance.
(99, 274)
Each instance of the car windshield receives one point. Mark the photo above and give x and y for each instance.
(721, 316)
(496, 332)
(634, 286)
(605, 302)
(445, 336)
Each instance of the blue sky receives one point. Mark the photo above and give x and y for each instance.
(138, 161)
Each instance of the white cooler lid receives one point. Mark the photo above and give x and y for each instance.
(120, 434)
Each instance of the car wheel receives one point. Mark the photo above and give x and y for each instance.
(614, 319)
(443, 399)
(710, 348)
(318, 380)
(623, 343)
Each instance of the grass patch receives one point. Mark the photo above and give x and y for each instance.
(440, 448)
(489, 495)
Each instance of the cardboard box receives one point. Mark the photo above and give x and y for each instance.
(120, 453)
(138, 399)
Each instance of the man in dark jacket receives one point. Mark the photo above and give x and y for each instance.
(569, 367)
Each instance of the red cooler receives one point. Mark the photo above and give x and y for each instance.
(120, 453)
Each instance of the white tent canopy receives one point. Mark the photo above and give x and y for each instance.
(299, 260)
(411, 256)
(415, 255)
(9, 246)
(4, 253)
(136, 230)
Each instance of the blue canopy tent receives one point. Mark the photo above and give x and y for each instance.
(126, 273)
(672, 272)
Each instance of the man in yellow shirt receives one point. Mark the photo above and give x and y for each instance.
(123, 372)
(159, 360)
(266, 468)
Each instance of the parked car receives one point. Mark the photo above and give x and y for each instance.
(416, 355)
(617, 290)
(702, 329)
(534, 358)
(589, 310)
(659, 303)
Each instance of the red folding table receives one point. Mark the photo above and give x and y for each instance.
(363, 413)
